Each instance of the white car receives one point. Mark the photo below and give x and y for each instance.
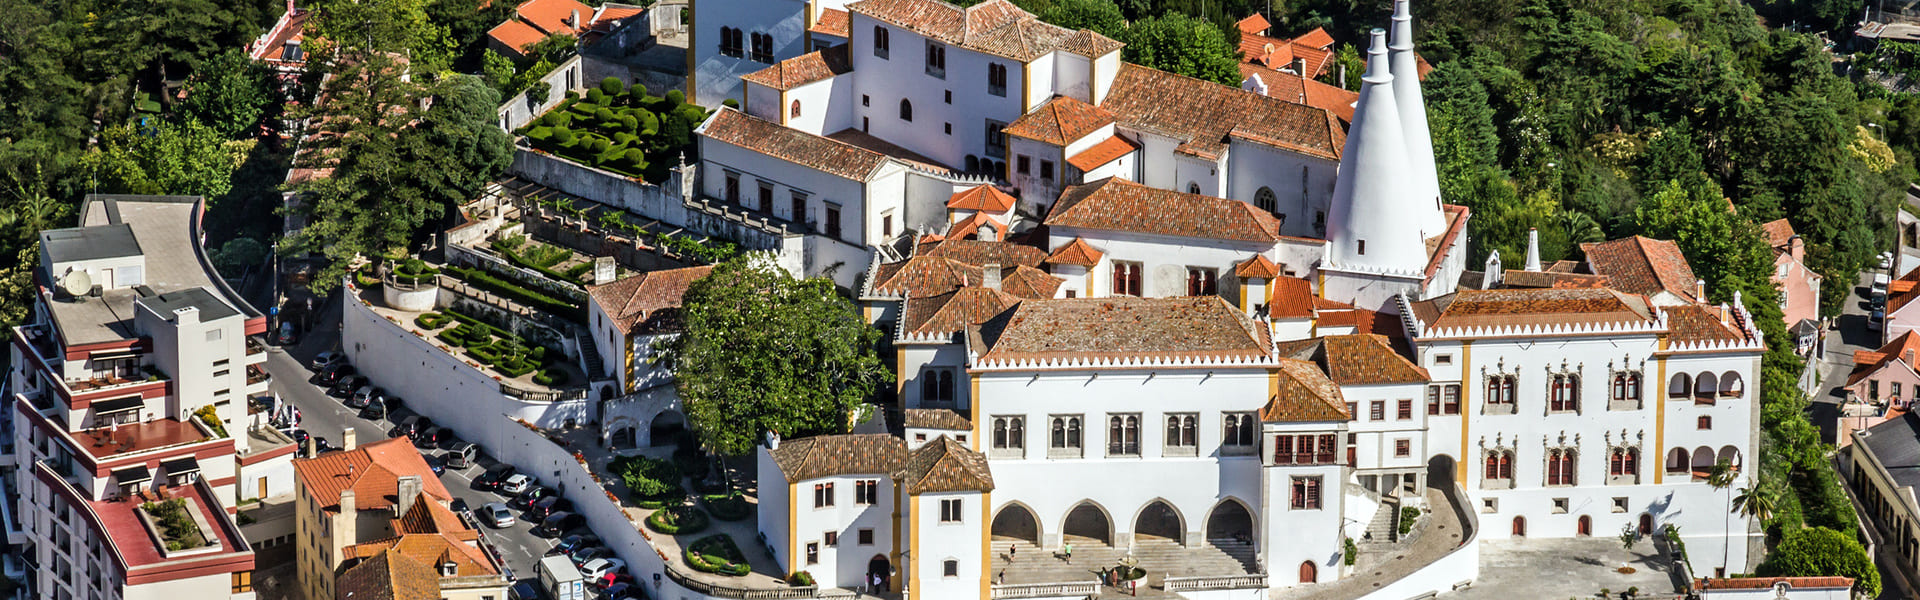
(600, 567)
(327, 359)
(497, 515)
(519, 482)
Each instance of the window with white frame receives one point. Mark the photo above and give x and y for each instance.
(950, 511)
(1182, 437)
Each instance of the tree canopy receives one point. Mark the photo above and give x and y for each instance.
(1185, 45)
(763, 351)
(1823, 552)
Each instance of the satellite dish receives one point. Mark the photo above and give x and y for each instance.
(77, 283)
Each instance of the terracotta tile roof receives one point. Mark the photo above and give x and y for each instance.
(984, 198)
(1029, 283)
(1318, 38)
(290, 27)
(1897, 299)
(1549, 279)
(1060, 121)
(1533, 306)
(1701, 323)
(994, 27)
(982, 252)
(1564, 266)
(1254, 24)
(833, 22)
(1263, 50)
(1258, 266)
(1904, 348)
(551, 16)
(1642, 265)
(1100, 154)
(1290, 298)
(1306, 394)
(1116, 204)
(1204, 326)
(430, 549)
(936, 418)
(969, 228)
(372, 471)
(1779, 232)
(1761, 583)
(803, 69)
(1358, 359)
(1361, 320)
(945, 465)
(648, 302)
(792, 145)
(1303, 90)
(953, 311)
(609, 16)
(1203, 114)
(516, 35)
(924, 276)
(830, 455)
(1076, 252)
(388, 575)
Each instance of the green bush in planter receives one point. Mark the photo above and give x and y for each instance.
(678, 520)
(800, 578)
(563, 136)
(540, 134)
(648, 478)
(717, 554)
(432, 321)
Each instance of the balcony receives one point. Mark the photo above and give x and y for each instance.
(256, 350)
(257, 380)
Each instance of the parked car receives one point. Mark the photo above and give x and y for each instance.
(459, 507)
(492, 477)
(288, 335)
(347, 385)
(1886, 260)
(525, 590)
(380, 407)
(412, 426)
(527, 498)
(575, 542)
(434, 462)
(328, 359)
(320, 445)
(299, 436)
(460, 455)
(334, 374)
(1880, 283)
(1877, 320)
(518, 484)
(362, 396)
(556, 523)
(600, 567)
(431, 438)
(620, 590)
(549, 505)
(592, 553)
(497, 515)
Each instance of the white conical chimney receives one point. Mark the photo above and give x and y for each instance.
(1413, 122)
(1367, 223)
(1533, 250)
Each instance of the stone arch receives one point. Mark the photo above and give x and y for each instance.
(1680, 386)
(1705, 385)
(1731, 386)
(1016, 521)
(666, 426)
(623, 433)
(1088, 519)
(1159, 519)
(1441, 469)
(1677, 460)
(1703, 458)
(1230, 521)
(1730, 454)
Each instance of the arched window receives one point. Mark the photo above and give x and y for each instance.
(1017, 433)
(906, 110)
(973, 164)
(1730, 385)
(1123, 435)
(1729, 454)
(1238, 430)
(1189, 431)
(1677, 461)
(1623, 465)
(1000, 433)
(1265, 200)
(1705, 386)
(1561, 466)
(946, 386)
(1500, 394)
(929, 387)
(1193, 187)
(880, 45)
(1563, 394)
(1059, 439)
(794, 112)
(1498, 471)
(1680, 385)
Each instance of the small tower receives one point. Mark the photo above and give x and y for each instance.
(1413, 125)
(1369, 227)
(1533, 250)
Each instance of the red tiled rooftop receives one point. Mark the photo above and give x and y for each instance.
(1100, 154)
(372, 471)
(982, 198)
(139, 437)
(129, 536)
(552, 16)
(833, 22)
(516, 35)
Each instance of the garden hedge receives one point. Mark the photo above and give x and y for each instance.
(678, 520)
(717, 554)
(728, 507)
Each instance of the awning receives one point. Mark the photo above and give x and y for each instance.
(132, 475)
(112, 355)
(118, 405)
(180, 466)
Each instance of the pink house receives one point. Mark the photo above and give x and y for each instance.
(1799, 285)
(1887, 375)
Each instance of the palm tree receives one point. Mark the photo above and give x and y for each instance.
(1758, 500)
(1721, 477)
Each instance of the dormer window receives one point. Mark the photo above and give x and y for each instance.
(449, 569)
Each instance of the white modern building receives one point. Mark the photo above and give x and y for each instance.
(130, 382)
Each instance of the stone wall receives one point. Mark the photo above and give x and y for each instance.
(518, 110)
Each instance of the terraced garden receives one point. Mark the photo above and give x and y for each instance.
(620, 129)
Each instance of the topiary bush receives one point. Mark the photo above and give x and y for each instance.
(595, 96)
(612, 86)
(563, 136)
(676, 98)
(729, 506)
(800, 578)
(717, 554)
(650, 479)
(431, 321)
(551, 377)
(676, 520)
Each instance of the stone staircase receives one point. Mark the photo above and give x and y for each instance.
(1384, 527)
(1160, 557)
(590, 355)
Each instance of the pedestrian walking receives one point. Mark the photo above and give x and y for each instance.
(1013, 552)
(1068, 550)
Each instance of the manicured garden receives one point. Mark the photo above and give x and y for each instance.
(678, 519)
(728, 506)
(717, 554)
(518, 293)
(506, 352)
(620, 129)
(653, 483)
(544, 258)
(176, 525)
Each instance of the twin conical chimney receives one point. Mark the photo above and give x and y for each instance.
(1413, 125)
(1369, 222)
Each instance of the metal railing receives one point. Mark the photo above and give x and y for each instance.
(1216, 582)
(1046, 590)
(741, 593)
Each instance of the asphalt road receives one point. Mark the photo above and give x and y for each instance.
(326, 417)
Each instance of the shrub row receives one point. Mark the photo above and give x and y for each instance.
(515, 292)
(431, 321)
(650, 479)
(717, 554)
(728, 507)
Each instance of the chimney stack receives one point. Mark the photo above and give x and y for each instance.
(1798, 248)
(1413, 123)
(1533, 250)
(310, 449)
(990, 276)
(407, 489)
(1699, 290)
(1373, 182)
(346, 523)
(349, 438)
(574, 21)
(1495, 273)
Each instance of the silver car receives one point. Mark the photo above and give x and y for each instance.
(496, 514)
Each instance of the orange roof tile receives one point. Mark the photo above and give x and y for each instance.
(1306, 394)
(430, 549)
(1258, 266)
(924, 276)
(1363, 359)
(1120, 327)
(1029, 283)
(980, 253)
(648, 302)
(1290, 298)
(982, 198)
(1102, 153)
(803, 69)
(372, 471)
(1900, 286)
(1076, 252)
(1701, 323)
(1202, 115)
(953, 311)
(1318, 38)
(1060, 121)
(994, 27)
(945, 465)
(516, 35)
(1302, 90)
(1263, 50)
(1898, 300)
(1116, 204)
(1779, 232)
(1361, 320)
(1254, 24)
(833, 22)
(1904, 348)
(792, 145)
(847, 454)
(1533, 306)
(969, 227)
(1642, 265)
(389, 575)
(553, 16)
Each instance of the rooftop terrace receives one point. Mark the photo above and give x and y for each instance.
(106, 442)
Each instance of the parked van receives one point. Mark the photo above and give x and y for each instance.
(461, 455)
(431, 437)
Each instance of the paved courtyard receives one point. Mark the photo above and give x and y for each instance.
(1512, 569)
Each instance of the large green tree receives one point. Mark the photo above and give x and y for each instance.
(228, 94)
(764, 351)
(1820, 551)
(164, 158)
(1185, 45)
